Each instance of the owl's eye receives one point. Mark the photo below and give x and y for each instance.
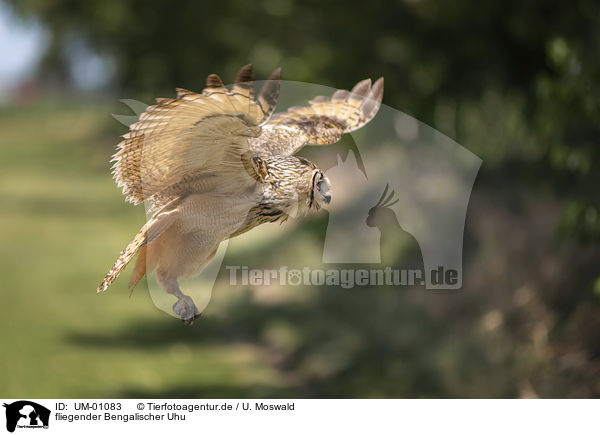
(318, 181)
(323, 185)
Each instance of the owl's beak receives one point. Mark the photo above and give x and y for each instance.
(327, 198)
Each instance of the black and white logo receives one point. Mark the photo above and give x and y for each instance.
(26, 414)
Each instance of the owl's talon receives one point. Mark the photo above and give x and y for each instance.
(189, 322)
(186, 310)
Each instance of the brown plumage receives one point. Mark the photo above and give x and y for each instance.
(215, 165)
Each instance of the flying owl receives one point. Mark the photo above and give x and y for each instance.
(217, 164)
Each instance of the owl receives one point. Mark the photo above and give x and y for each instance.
(217, 164)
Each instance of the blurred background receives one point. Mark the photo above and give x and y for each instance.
(515, 82)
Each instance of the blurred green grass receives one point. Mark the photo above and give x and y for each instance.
(63, 222)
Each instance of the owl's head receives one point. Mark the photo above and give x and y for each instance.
(298, 185)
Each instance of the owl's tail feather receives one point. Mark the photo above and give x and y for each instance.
(125, 256)
(139, 271)
(147, 234)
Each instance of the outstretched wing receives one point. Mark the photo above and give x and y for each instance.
(323, 122)
(195, 141)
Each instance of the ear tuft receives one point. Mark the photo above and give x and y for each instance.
(214, 81)
(244, 74)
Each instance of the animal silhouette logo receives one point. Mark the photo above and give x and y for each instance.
(361, 232)
(383, 217)
(26, 414)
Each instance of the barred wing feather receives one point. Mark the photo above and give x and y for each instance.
(178, 142)
(322, 122)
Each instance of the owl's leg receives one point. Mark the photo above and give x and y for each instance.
(184, 307)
